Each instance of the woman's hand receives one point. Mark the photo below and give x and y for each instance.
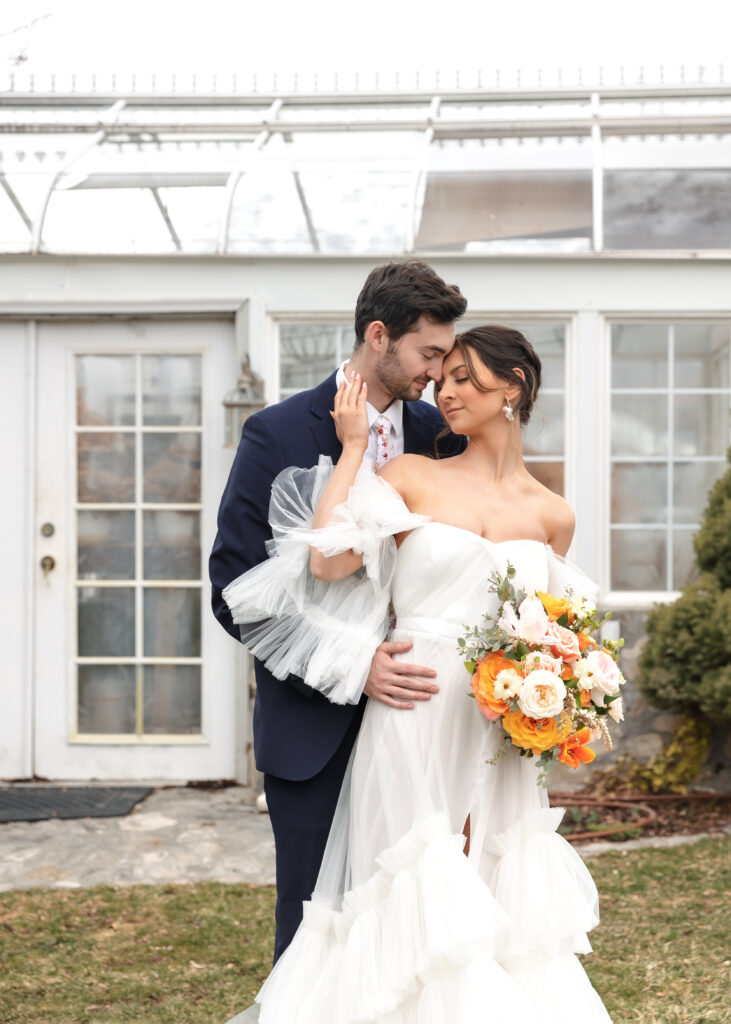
(351, 418)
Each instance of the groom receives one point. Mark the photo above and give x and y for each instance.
(404, 327)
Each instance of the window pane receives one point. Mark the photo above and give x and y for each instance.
(171, 391)
(171, 467)
(547, 338)
(639, 425)
(172, 701)
(702, 355)
(639, 356)
(685, 569)
(691, 483)
(105, 390)
(639, 493)
(172, 545)
(106, 622)
(172, 622)
(106, 545)
(106, 467)
(550, 474)
(308, 353)
(532, 206)
(667, 209)
(544, 434)
(702, 424)
(107, 698)
(638, 559)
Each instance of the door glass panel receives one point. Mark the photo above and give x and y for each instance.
(172, 622)
(639, 425)
(106, 617)
(105, 390)
(172, 699)
(106, 545)
(702, 355)
(106, 467)
(107, 698)
(639, 492)
(692, 482)
(171, 391)
(171, 468)
(639, 558)
(702, 424)
(153, 456)
(543, 434)
(172, 545)
(639, 356)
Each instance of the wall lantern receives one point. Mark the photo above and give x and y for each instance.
(247, 397)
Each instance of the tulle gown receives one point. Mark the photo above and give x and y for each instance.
(403, 928)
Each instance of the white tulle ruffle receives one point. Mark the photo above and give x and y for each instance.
(326, 633)
(426, 941)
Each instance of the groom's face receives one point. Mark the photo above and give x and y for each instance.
(409, 363)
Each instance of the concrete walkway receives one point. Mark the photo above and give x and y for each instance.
(174, 835)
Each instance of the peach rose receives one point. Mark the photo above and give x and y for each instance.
(555, 606)
(563, 643)
(536, 734)
(483, 685)
(541, 660)
(542, 694)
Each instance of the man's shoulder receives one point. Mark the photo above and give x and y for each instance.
(295, 406)
(426, 412)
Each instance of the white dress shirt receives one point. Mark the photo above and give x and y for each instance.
(395, 414)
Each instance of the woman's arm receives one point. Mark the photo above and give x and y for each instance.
(351, 422)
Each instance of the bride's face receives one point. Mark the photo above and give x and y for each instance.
(467, 408)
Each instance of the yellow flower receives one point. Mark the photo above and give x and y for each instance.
(536, 734)
(555, 606)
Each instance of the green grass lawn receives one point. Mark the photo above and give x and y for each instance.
(177, 954)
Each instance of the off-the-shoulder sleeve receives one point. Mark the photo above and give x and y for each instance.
(325, 633)
(563, 575)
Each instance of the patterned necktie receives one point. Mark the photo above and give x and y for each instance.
(385, 448)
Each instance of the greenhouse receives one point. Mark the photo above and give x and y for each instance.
(172, 260)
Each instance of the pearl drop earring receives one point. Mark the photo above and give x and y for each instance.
(508, 410)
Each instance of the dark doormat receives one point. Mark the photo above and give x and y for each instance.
(35, 803)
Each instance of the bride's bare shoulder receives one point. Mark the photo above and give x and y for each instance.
(408, 473)
(558, 518)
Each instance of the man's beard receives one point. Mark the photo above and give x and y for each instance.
(391, 374)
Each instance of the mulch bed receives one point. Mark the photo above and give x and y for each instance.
(617, 818)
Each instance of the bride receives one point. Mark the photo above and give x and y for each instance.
(445, 895)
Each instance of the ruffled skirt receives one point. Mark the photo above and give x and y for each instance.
(403, 928)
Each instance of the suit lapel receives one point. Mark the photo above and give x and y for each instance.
(321, 422)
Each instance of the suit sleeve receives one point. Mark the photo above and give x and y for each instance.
(243, 524)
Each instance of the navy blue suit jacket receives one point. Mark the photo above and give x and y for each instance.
(296, 729)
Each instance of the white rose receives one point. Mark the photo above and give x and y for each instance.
(599, 672)
(616, 710)
(542, 694)
(508, 683)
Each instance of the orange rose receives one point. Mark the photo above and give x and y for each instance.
(536, 734)
(483, 685)
(563, 643)
(574, 750)
(586, 641)
(555, 606)
(585, 696)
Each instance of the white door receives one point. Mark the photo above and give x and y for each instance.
(133, 677)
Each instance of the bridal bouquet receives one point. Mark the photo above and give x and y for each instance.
(540, 673)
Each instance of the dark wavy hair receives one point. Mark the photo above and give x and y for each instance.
(398, 294)
(503, 350)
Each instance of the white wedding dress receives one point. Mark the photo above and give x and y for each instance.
(403, 928)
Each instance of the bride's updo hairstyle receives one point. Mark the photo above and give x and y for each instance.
(502, 349)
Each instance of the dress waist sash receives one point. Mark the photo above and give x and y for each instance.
(433, 627)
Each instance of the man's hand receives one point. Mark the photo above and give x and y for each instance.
(398, 683)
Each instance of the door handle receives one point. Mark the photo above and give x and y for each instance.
(48, 564)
